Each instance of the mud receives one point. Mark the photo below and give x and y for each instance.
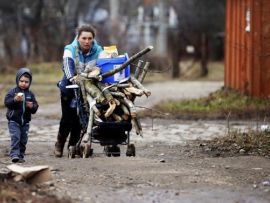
(167, 166)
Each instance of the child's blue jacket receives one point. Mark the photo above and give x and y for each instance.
(17, 111)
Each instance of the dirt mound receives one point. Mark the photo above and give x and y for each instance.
(13, 192)
(237, 144)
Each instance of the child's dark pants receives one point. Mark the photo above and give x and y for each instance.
(19, 137)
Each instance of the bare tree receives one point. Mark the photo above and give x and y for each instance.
(37, 30)
(199, 21)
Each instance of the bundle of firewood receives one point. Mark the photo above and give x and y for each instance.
(124, 94)
(121, 107)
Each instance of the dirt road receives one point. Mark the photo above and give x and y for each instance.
(166, 167)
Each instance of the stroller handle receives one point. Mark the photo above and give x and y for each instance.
(75, 86)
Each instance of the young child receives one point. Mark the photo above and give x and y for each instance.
(20, 103)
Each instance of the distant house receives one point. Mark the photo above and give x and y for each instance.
(247, 46)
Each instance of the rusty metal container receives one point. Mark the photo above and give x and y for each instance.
(247, 46)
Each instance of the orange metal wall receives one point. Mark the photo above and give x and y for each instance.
(247, 54)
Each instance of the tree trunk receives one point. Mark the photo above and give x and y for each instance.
(204, 54)
(175, 52)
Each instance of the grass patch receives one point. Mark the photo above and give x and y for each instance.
(188, 70)
(217, 106)
(46, 73)
(45, 78)
(191, 70)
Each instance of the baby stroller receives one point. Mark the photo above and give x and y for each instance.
(114, 130)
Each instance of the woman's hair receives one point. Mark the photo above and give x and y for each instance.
(86, 28)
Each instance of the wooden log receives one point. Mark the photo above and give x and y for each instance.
(144, 71)
(126, 113)
(137, 84)
(138, 69)
(134, 90)
(137, 125)
(86, 137)
(117, 117)
(118, 94)
(130, 106)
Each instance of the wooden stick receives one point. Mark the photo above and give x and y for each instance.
(137, 84)
(144, 71)
(86, 137)
(138, 69)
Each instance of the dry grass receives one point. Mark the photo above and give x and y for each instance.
(253, 142)
(189, 70)
(45, 78)
(216, 105)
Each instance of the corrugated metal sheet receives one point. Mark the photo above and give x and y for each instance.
(247, 53)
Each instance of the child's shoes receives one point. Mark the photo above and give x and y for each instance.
(15, 159)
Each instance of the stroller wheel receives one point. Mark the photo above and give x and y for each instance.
(115, 150)
(131, 150)
(71, 152)
(78, 150)
(87, 151)
(107, 151)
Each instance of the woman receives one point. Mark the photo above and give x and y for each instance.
(81, 52)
